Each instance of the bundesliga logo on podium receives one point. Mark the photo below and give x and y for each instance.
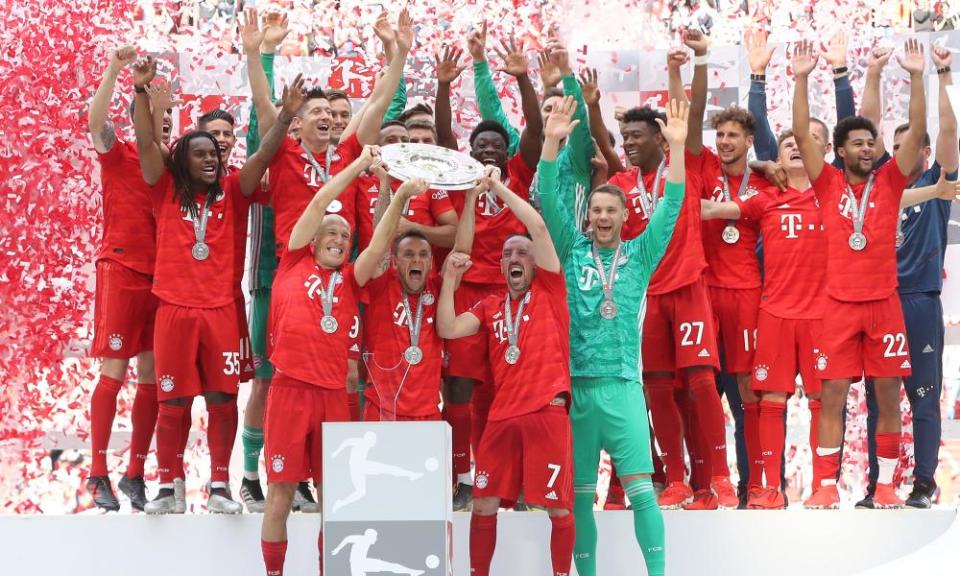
(387, 498)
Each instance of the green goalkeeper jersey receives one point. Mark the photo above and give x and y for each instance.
(602, 348)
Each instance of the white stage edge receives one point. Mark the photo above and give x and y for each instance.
(791, 542)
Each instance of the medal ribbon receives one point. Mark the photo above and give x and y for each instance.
(859, 211)
(200, 224)
(513, 326)
(649, 202)
(607, 280)
(324, 172)
(740, 191)
(413, 324)
(326, 296)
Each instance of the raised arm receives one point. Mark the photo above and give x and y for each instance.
(911, 147)
(805, 58)
(544, 253)
(872, 107)
(488, 100)
(463, 243)
(448, 69)
(151, 157)
(103, 133)
(449, 325)
(579, 142)
(161, 100)
(697, 41)
(515, 64)
(368, 130)
(947, 151)
(306, 227)
(943, 190)
(836, 56)
(256, 165)
(371, 262)
(598, 129)
(252, 37)
(758, 55)
(559, 222)
(388, 37)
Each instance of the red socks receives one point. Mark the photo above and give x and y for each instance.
(144, 418)
(274, 554)
(667, 425)
(483, 540)
(353, 405)
(888, 445)
(459, 418)
(772, 438)
(221, 433)
(561, 543)
(751, 433)
(615, 491)
(709, 412)
(169, 430)
(103, 407)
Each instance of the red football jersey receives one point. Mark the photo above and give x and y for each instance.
(729, 265)
(543, 369)
(494, 223)
(683, 263)
(794, 251)
(870, 274)
(386, 335)
(180, 278)
(301, 349)
(129, 227)
(294, 181)
(423, 209)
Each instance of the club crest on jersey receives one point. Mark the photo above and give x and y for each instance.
(749, 193)
(276, 464)
(761, 372)
(428, 299)
(115, 342)
(482, 480)
(166, 383)
(821, 362)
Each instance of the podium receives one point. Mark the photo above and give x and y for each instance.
(387, 498)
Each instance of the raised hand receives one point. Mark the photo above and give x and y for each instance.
(457, 263)
(275, 29)
(836, 54)
(293, 97)
(560, 122)
(405, 32)
(758, 52)
(368, 156)
(677, 58)
(161, 97)
(411, 188)
(589, 86)
(559, 56)
(549, 73)
(379, 169)
(946, 189)
(250, 34)
(448, 66)
(675, 129)
(879, 58)
(805, 57)
(514, 60)
(941, 56)
(384, 30)
(144, 71)
(912, 59)
(121, 57)
(477, 43)
(696, 41)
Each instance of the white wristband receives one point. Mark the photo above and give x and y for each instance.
(701, 60)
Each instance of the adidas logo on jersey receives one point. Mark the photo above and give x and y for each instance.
(928, 349)
(704, 353)
(906, 364)
(552, 495)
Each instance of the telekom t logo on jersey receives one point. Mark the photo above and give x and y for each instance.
(791, 224)
(314, 286)
(588, 278)
(487, 202)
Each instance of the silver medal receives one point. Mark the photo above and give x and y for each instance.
(413, 355)
(329, 324)
(200, 251)
(858, 241)
(512, 355)
(608, 310)
(730, 234)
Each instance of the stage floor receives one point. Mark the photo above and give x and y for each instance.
(731, 542)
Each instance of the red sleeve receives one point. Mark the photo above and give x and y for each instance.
(753, 207)
(693, 161)
(551, 281)
(115, 155)
(288, 146)
(480, 311)
(893, 178)
(162, 191)
(439, 203)
(825, 186)
(517, 169)
(293, 257)
(376, 286)
(348, 150)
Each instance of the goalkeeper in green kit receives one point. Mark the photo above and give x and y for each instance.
(606, 292)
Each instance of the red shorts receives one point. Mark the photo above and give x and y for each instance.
(864, 338)
(533, 451)
(678, 330)
(786, 347)
(123, 312)
(293, 427)
(735, 312)
(371, 413)
(247, 369)
(467, 357)
(197, 350)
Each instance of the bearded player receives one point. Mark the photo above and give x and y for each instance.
(315, 302)
(608, 280)
(526, 444)
(863, 327)
(125, 307)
